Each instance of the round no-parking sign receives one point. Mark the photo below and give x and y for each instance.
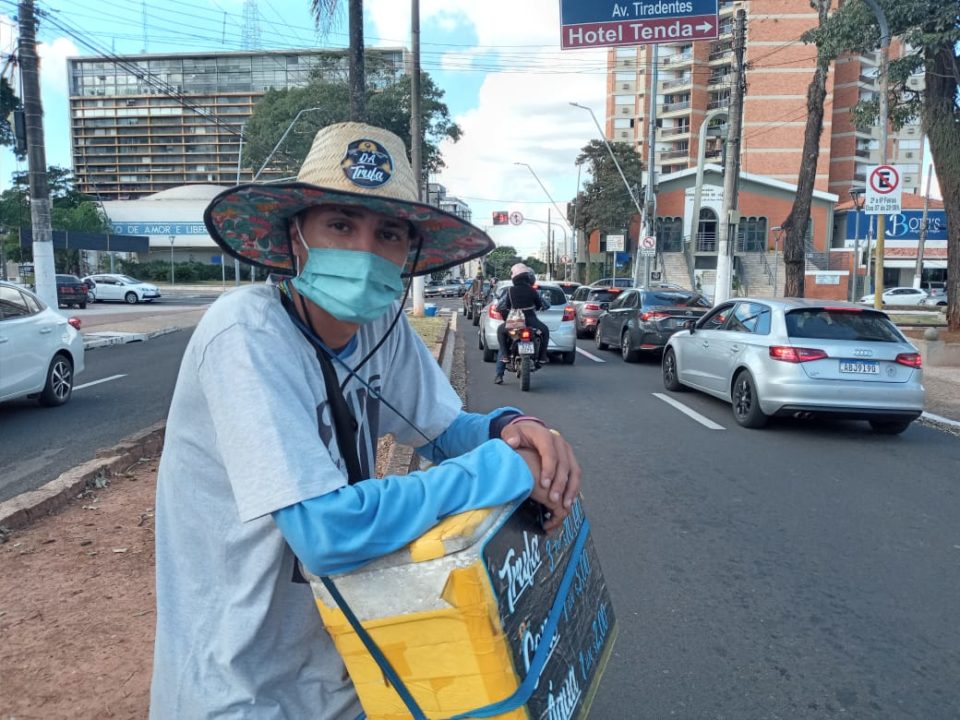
(883, 190)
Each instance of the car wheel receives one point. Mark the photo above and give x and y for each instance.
(890, 427)
(601, 345)
(59, 385)
(569, 357)
(671, 380)
(488, 354)
(131, 298)
(476, 317)
(746, 402)
(83, 306)
(626, 349)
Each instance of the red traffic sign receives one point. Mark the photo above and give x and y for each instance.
(884, 179)
(642, 32)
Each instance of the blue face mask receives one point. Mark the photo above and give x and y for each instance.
(352, 285)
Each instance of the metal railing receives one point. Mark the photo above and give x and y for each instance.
(721, 103)
(767, 270)
(719, 51)
(678, 130)
(674, 154)
(678, 58)
(863, 152)
(720, 79)
(673, 107)
(671, 84)
(706, 242)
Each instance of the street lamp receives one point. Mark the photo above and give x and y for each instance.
(279, 142)
(776, 256)
(856, 194)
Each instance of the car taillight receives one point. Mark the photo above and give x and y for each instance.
(591, 306)
(525, 334)
(790, 354)
(75, 321)
(910, 360)
(493, 314)
(647, 316)
(568, 313)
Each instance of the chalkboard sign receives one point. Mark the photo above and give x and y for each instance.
(526, 568)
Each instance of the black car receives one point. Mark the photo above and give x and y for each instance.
(71, 290)
(474, 299)
(568, 287)
(642, 320)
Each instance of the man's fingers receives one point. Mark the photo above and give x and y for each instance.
(576, 475)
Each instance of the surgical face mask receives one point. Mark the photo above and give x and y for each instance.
(352, 285)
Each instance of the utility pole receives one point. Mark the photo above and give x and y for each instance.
(43, 264)
(729, 216)
(884, 86)
(416, 134)
(648, 223)
(918, 271)
(549, 246)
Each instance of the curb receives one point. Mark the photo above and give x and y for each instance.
(104, 339)
(940, 421)
(20, 511)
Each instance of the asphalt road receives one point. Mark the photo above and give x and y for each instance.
(123, 389)
(808, 570)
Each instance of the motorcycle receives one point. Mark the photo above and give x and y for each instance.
(524, 347)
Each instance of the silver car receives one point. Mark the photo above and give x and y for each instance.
(800, 358)
(559, 319)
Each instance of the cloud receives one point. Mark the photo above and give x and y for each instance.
(522, 111)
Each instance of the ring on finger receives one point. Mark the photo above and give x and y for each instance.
(554, 431)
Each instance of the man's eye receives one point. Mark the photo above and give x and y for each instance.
(339, 225)
(392, 236)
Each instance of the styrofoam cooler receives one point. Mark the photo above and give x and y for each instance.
(459, 614)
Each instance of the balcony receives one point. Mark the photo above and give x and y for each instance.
(676, 106)
(870, 80)
(720, 50)
(674, 155)
(720, 79)
(863, 153)
(719, 103)
(674, 131)
(675, 84)
(679, 58)
(713, 154)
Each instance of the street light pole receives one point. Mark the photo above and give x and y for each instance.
(856, 194)
(172, 273)
(279, 142)
(236, 262)
(884, 85)
(545, 191)
(698, 187)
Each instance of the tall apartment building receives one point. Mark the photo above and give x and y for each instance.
(697, 77)
(145, 123)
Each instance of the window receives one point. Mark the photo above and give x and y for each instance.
(579, 294)
(752, 234)
(631, 300)
(626, 52)
(553, 295)
(751, 318)
(669, 232)
(673, 299)
(841, 325)
(12, 303)
(716, 319)
(624, 99)
(625, 76)
(622, 123)
(619, 302)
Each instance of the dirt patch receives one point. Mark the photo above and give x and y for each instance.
(77, 616)
(945, 335)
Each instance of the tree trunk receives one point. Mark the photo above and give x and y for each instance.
(358, 85)
(795, 226)
(941, 121)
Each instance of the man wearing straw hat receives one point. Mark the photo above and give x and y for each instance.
(252, 476)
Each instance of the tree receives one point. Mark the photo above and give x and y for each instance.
(930, 32)
(604, 203)
(798, 220)
(9, 102)
(324, 13)
(388, 107)
(499, 261)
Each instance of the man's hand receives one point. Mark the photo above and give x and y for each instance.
(541, 494)
(558, 482)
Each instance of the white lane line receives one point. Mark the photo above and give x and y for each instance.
(588, 355)
(705, 421)
(97, 382)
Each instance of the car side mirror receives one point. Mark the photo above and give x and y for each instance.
(692, 326)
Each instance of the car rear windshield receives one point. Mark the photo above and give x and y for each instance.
(827, 324)
(554, 295)
(68, 279)
(687, 299)
(603, 295)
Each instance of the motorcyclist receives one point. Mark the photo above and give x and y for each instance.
(522, 295)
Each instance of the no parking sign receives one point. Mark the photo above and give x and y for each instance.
(884, 189)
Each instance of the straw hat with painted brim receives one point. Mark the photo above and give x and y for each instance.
(349, 164)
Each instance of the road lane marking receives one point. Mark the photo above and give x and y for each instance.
(97, 382)
(588, 355)
(705, 421)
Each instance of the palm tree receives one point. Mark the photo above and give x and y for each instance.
(324, 14)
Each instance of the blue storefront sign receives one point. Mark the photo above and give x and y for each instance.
(902, 226)
(160, 227)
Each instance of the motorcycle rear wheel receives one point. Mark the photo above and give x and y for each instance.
(526, 367)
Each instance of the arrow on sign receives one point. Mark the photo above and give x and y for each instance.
(705, 27)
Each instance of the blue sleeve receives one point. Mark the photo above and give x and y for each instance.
(342, 530)
(467, 431)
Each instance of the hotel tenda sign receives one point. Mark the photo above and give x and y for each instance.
(589, 23)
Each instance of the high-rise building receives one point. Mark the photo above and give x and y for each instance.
(695, 78)
(145, 123)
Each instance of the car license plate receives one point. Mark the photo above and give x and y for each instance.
(860, 367)
(525, 348)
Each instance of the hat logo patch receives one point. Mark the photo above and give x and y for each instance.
(367, 164)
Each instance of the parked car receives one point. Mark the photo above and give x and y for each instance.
(452, 289)
(620, 282)
(935, 296)
(110, 286)
(568, 287)
(641, 320)
(40, 351)
(897, 296)
(588, 302)
(474, 300)
(558, 319)
(432, 289)
(800, 358)
(71, 291)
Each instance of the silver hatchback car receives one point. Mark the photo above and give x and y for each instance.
(800, 358)
(559, 319)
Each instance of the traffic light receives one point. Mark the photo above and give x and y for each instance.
(501, 217)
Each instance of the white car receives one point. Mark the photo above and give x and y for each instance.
(110, 286)
(897, 296)
(40, 352)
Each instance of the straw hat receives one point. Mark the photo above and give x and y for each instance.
(349, 164)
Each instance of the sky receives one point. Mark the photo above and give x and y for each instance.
(506, 83)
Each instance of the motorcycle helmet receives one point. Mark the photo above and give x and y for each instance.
(523, 273)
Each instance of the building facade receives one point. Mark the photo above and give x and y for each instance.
(141, 124)
(695, 78)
